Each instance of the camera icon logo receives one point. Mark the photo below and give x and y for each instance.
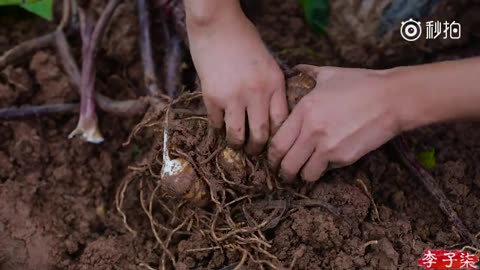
(411, 30)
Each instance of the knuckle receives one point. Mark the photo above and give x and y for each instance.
(318, 132)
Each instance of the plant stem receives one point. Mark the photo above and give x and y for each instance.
(25, 48)
(37, 111)
(417, 170)
(91, 35)
(149, 75)
(123, 108)
(173, 62)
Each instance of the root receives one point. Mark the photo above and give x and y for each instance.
(476, 250)
(369, 195)
(369, 243)
(146, 266)
(119, 199)
(228, 222)
(298, 254)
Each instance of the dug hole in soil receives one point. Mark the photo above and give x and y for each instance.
(59, 198)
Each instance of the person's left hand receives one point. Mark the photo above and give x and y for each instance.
(349, 113)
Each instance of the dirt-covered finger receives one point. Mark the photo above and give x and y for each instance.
(235, 126)
(284, 138)
(215, 113)
(259, 127)
(278, 110)
(295, 158)
(315, 167)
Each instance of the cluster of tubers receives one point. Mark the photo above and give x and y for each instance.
(179, 178)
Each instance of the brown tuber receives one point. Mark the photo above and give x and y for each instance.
(180, 180)
(178, 177)
(233, 164)
(297, 87)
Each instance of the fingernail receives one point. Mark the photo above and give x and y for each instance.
(284, 176)
(302, 175)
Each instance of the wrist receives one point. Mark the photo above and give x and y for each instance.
(404, 100)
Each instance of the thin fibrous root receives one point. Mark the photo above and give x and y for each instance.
(119, 199)
(369, 195)
(369, 243)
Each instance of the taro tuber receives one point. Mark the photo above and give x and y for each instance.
(233, 164)
(297, 87)
(179, 178)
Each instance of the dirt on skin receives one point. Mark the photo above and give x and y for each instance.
(57, 195)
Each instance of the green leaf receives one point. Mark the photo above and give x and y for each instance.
(14, 2)
(427, 158)
(316, 13)
(43, 8)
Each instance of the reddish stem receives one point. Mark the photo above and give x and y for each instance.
(123, 108)
(91, 35)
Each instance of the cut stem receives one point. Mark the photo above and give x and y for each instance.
(91, 34)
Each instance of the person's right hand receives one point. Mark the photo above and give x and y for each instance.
(240, 80)
(349, 113)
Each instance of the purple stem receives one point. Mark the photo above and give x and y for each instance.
(87, 76)
(173, 63)
(123, 108)
(150, 77)
(37, 111)
(419, 172)
(91, 34)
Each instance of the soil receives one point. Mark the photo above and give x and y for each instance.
(57, 196)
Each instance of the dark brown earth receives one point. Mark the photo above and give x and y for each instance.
(57, 196)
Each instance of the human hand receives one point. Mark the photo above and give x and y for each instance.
(240, 80)
(349, 113)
